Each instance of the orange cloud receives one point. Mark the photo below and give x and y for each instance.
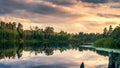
(72, 16)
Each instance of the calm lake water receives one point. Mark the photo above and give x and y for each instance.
(50, 55)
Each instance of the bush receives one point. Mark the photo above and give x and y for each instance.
(99, 43)
(117, 43)
(105, 42)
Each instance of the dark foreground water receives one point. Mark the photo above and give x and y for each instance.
(50, 55)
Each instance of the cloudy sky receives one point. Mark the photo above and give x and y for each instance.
(68, 15)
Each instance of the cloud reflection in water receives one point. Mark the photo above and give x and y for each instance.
(67, 59)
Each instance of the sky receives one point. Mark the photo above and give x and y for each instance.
(72, 16)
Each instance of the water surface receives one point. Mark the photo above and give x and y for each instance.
(52, 55)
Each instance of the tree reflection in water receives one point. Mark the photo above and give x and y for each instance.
(113, 60)
(11, 50)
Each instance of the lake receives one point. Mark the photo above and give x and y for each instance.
(51, 55)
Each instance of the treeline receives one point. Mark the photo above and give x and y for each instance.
(14, 32)
(13, 50)
(84, 38)
(111, 38)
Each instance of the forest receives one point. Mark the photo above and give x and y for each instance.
(111, 38)
(13, 32)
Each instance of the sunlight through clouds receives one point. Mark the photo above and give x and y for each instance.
(60, 13)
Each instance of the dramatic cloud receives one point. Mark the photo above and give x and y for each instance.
(111, 3)
(9, 6)
(76, 14)
(109, 15)
(42, 7)
(101, 1)
(63, 2)
(95, 1)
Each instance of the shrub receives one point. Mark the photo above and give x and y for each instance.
(105, 42)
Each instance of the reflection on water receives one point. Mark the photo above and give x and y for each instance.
(113, 60)
(51, 55)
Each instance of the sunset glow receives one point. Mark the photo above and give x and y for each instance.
(69, 15)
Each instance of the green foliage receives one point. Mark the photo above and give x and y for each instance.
(116, 33)
(105, 42)
(99, 42)
(105, 32)
(109, 42)
(8, 31)
(117, 43)
(13, 31)
(86, 37)
(110, 38)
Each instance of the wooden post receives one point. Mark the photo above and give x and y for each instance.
(82, 65)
